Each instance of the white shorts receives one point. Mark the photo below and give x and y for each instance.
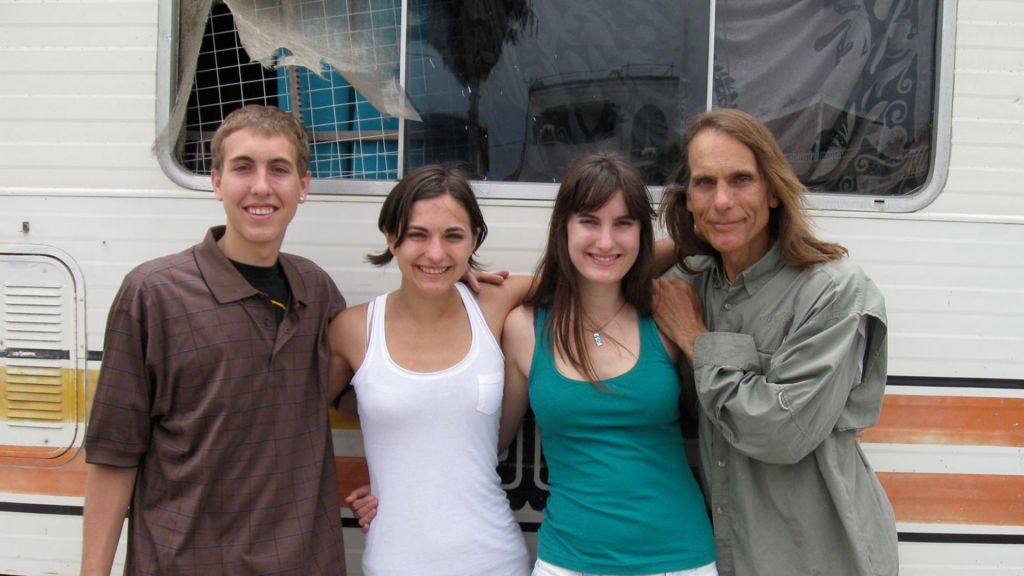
(542, 568)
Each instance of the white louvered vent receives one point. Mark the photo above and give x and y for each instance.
(34, 330)
(40, 369)
(33, 316)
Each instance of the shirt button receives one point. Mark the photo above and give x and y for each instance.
(721, 463)
(718, 509)
(728, 306)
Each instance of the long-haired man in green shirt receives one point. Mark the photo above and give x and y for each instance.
(787, 339)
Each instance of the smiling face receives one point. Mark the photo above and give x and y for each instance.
(730, 199)
(437, 245)
(261, 188)
(603, 244)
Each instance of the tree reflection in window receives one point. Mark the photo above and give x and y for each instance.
(516, 89)
(551, 81)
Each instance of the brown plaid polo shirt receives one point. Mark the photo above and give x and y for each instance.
(225, 414)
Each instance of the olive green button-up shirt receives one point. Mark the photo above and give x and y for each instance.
(793, 366)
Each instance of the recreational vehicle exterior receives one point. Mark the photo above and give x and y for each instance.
(905, 119)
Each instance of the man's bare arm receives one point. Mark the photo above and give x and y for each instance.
(108, 491)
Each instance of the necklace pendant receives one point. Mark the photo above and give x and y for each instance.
(597, 339)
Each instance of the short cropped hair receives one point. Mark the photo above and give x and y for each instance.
(266, 121)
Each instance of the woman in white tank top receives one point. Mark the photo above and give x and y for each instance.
(427, 372)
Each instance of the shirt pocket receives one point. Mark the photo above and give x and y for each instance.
(489, 389)
(768, 334)
(770, 330)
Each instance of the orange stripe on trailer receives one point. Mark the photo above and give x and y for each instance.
(14, 454)
(352, 473)
(69, 479)
(37, 456)
(955, 498)
(64, 480)
(957, 420)
(919, 498)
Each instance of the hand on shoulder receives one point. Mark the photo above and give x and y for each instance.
(477, 279)
(679, 312)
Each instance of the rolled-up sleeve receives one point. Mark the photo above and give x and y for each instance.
(795, 361)
(780, 412)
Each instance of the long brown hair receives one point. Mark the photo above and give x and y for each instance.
(590, 183)
(788, 223)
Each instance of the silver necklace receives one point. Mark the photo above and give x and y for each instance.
(596, 333)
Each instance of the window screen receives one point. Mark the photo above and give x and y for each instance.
(514, 90)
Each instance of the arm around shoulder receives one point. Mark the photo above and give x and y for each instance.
(496, 302)
(517, 342)
(347, 334)
(678, 312)
(781, 410)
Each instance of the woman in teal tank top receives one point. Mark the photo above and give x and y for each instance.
(586, 354)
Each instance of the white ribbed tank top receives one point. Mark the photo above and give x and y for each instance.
(431, 443)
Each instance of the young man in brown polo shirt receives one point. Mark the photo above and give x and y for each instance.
(210, 413)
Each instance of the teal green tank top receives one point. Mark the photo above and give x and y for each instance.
(622, 499)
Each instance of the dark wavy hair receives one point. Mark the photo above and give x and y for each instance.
(423, 183)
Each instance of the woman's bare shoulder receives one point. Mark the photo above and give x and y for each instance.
(348, 329)
(521, 315)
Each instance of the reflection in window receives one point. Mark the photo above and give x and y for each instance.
(847, 86)
(515, 90)
(575, 124)
(650, 141)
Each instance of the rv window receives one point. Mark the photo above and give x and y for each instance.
(847, 87)
(511, 89)
(518, 89)
(514, 90)
(351, 139)
(225, 79)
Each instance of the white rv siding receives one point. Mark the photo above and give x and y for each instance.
(78, 177)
